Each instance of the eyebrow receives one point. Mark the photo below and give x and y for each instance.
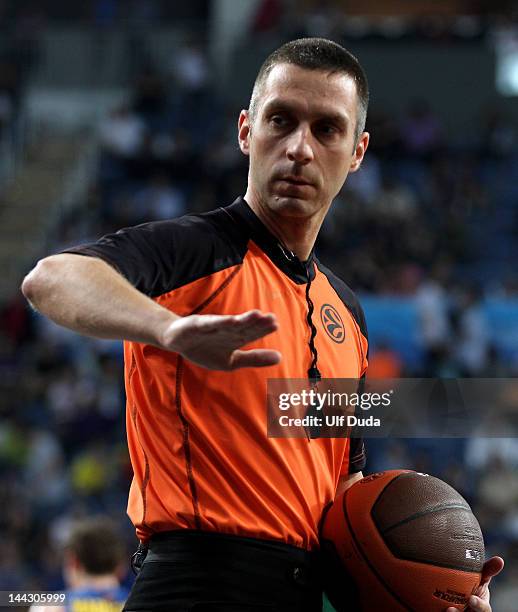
(288, 107)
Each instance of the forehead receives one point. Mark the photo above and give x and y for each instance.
(315, 91)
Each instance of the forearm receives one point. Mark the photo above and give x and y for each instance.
(347, 481)
(90, 297)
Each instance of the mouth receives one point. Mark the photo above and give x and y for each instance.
(294, 180)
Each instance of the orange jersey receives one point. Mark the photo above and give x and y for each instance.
(197, 438)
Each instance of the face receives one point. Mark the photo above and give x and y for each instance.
(301, 141)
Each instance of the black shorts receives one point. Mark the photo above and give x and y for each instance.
(192, 571)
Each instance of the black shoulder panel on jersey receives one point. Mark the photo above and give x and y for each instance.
(347, 296)
(161, 256)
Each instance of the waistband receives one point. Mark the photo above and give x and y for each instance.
(186, 544)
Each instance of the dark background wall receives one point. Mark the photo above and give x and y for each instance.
(457, 79)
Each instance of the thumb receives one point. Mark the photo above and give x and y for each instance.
(491, 568)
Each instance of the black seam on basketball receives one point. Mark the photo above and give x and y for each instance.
(424, 513)
(379, 497)
(437, 564)
(367, 561)
(455, 567)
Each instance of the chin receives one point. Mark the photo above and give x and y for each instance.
(292, 207)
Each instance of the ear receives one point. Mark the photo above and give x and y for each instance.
(70, 568)
(121, 570)
(243, 132)
(71, 561)
(359, 151)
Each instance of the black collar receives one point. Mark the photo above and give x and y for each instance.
(284, 259)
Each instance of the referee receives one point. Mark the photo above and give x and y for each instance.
(210, 306)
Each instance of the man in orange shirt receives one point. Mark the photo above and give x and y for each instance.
(228, 517)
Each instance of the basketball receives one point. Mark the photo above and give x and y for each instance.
(408, 540)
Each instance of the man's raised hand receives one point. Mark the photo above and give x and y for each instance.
(215, 341)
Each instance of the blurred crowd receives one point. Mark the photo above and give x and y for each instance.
(415, 222)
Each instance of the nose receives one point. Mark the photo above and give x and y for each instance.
(299, 149)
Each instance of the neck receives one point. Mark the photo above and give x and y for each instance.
(104, 581)
(297, 234)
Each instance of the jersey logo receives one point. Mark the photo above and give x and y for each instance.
(332, 323)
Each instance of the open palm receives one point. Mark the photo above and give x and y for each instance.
(215, 341)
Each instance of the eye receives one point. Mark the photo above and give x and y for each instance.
(327, 129)
(279, 121)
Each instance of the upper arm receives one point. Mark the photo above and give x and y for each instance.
(161, 256)
(145, 255)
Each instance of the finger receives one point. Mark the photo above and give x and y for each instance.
(476, 604)
(244, 337)
(491, 568)
(482, 590)
(249, 316)
(239, 333)
(252, 318)
(255, 318)
(256, 358)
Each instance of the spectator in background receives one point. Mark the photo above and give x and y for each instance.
(196, 105)
(45, 475)
(473, 340)
(62, 393)
(366, 183)
(434, 319)
(158, 200)
(421, 130)
(93, 557)
(122, 133)
(92, 472)
(324, 18)
(123, 138)
(15, 321)
(13, 574)
(480, 452)
(498, 487)
(150, 98)
(395, 200)
(190, 67)
(469, 194)
(385, 363)
(388, 134)
(267, 16)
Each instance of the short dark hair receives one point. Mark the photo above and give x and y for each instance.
(97, 545)
(317, 54)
